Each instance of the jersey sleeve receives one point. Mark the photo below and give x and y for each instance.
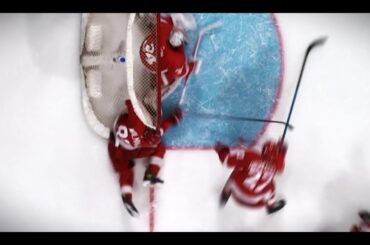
(280, 162)
(239, 158)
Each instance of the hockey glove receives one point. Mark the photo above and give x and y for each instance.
(222, 149)
(151, 179)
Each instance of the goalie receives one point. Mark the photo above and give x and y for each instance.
(173, 63)
(131, 139)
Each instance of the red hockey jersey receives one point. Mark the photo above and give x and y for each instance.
(252, 180)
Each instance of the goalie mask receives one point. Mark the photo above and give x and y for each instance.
(177, 38)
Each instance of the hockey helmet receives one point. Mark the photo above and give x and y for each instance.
(177, 38)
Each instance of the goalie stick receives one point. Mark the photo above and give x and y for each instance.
(195, 52)
(316, 43)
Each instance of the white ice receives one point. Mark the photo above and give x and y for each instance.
(55, 174)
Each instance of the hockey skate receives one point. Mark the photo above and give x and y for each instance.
(130, 207)
(224, 198)
(151, 179)
(276, 206)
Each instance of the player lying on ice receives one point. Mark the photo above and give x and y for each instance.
(131, 139)
(252, 180)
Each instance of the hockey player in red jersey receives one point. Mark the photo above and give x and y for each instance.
(131, 139)
(252, 181)
(364, 225)
(173, 63)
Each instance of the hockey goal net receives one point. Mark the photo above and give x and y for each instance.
(118, 61)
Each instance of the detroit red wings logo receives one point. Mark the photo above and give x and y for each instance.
(148, 52)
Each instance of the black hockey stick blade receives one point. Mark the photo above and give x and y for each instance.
(319, 41)
(315, 43)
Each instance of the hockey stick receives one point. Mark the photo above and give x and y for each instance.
(216, 116)
(314, 44)
(195, 52)
(201, 33)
